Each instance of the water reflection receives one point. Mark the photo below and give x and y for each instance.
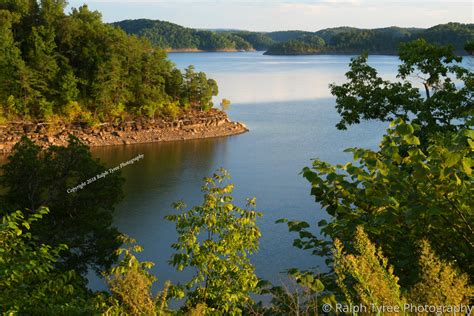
(168, 173)
(254, 78)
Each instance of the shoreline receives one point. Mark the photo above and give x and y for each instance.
(197, 50)
(193, 125)
(345, 53)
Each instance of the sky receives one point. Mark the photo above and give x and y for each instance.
(275, 15)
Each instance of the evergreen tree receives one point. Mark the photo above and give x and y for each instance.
(15, 78)
(52, 59)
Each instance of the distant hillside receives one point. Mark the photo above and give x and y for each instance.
(387, 40)
(340, 40)
(175, 37)
(348, 40)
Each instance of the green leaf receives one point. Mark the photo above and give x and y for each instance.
(452, 158)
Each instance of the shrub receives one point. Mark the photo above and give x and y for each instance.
(171, 110)
(117, 111)
(130, 281)
(46, 110)
(72, 111)
(365, 277)
(150, 108)
(440, 283)
(215, 239)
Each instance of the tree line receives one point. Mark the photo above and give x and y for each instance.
(398, 233)
(168, 35)
(340, 40)
(74, 67)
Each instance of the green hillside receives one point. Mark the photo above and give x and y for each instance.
(340, 40)
(172, 36)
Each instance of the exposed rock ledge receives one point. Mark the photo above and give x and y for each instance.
(192, 125)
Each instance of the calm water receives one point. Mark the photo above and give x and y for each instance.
(286, 104)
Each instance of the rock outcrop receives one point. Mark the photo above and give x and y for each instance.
(191, 125)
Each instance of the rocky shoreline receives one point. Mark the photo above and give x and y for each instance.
(191, 125)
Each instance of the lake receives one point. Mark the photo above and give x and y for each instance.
(286, 104)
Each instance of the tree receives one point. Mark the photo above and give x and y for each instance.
(445, 106)
(15, 78)
(110, 88)
(67, 89)
(225, 104)
(215, 240)
(29, 281)
(469, 47)
(198, 89)
(81, 213)
(41, 59)
(51, 11)
(51, 59)
(304, 45)
(156, 79)
(400, 194)
(174, 84)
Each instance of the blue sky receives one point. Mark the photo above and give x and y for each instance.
(272, 15)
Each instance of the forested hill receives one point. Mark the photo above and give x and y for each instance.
(73, 67)
(346, 40)
(172, 36)
(341, 40)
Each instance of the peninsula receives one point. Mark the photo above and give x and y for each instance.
(70, 73)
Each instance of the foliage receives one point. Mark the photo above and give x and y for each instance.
(199, 89)
(171, 110)
(257, 40)
(172, 36)
(52, 61)
(29, 282)
(130, 284)
(440, 283)
(399, 195)
(225, 104)
(283, 36)
(447, 105)
(416, 187)
(303, 293)
(73, 111)
(346, 40)
(365, 277)
(469, 47)
(80, 218)
(305, 45)
(215, 240)
(3, 119)
(455, 34)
